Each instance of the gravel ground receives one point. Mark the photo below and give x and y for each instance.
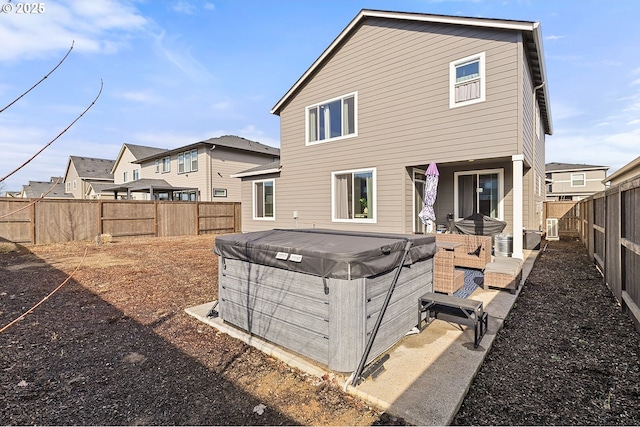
(567, 355)
(114, 347)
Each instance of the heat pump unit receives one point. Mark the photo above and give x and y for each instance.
(552, 229)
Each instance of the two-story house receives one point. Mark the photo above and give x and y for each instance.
(570, 181)
(393, 93)
(199, 171)
(84, 175)
(125, 171)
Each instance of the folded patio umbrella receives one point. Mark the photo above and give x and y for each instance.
(427, 215)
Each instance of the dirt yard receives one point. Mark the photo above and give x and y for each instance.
(115, 347)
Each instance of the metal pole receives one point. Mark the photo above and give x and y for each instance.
(356, 377)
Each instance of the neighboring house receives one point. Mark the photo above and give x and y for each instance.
(126, 171)
(52, 189)
(568, 181)
(629, 171)
(393, 93)
(82, 172)
(199, 171)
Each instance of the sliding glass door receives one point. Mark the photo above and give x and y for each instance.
(479, 192)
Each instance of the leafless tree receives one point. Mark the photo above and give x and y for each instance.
(62, 132)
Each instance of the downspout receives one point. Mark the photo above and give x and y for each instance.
(535, 143)
(210, 196)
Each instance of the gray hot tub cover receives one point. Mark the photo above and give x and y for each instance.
(326, 253)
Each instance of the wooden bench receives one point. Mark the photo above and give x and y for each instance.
(469, 312)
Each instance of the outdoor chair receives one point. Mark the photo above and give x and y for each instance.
(446, 278)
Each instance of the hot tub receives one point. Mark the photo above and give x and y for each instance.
(319, 292)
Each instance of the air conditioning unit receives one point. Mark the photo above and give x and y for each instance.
(552, 229)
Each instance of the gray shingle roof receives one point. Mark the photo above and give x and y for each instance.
(228, 141)
(35, 189)
(146, 183)
(88, 167)
(271, 167)
(556, 167)
(142, 151)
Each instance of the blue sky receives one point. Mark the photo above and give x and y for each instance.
(178, 72)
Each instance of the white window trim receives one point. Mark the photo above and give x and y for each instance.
(182, 156)
(223, 192)
(162, 163)
(355, 119)
(452, 80)
(253, 200)
(500, 173)
(584, 179)
(422, 173)
(373, 220)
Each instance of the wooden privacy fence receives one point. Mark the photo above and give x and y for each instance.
(610, 229)
(568, 215)
(60, 220)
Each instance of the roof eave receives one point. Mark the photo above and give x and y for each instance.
(537, 37)
(255, 173)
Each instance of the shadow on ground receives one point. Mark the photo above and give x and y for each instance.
(100, 367)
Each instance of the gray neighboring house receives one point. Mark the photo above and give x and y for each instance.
(52, 189)
(573, 181)
(394, 92)
(82, 172)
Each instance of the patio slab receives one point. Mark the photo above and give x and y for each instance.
(427, 374)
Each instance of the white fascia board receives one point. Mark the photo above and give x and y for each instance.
(254, 173)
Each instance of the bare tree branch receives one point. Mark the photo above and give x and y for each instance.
(41, 80)
(58, 136)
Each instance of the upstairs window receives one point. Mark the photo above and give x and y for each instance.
(157, 164)
(136, 174)
(578, 180)
(467, 80)
(166, 164)
(332, 119)
(188, 161)
(124, 177)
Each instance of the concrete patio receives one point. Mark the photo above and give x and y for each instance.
(427, 374)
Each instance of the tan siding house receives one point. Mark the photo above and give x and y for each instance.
(629, 171)
(199, 171)
(393, 93)
(82, 172)
(567, 181)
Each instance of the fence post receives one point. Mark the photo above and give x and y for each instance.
(100, 215)
(32, 223)
(197, 223)
(155, 218)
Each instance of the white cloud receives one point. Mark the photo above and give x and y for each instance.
(553, 37)
(146, 97)
(95, 26)
(184, 7)
(180, 56)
